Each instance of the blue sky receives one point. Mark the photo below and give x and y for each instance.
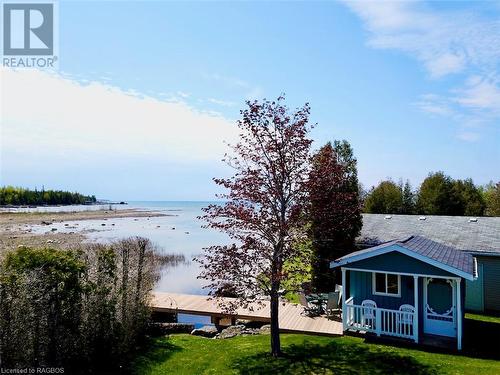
(147, 91)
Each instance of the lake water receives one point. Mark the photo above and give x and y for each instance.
(178, 233)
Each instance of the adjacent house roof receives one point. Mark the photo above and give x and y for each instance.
(460, 232)
(439, 255)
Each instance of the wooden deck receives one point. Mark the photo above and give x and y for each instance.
(291, 318)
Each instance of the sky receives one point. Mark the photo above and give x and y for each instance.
(147, 94)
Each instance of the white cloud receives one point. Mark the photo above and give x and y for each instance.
(446, 42)
(183, 94)
(251, 91)
(230, 81)
(480, 93)
(445, 64)
(435, 105)
(468, 136)
(73, 121)
(220, 102)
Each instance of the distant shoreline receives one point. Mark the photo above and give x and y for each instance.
(15, 227)
(62, 205)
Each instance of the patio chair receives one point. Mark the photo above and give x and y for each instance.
(333, 306)
(309, 308)
(408, 309)
(405, 319)
(368, 312)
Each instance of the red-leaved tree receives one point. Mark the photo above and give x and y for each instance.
(263, 213)
(334, 211)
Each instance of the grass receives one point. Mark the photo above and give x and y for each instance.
(292, 297)
(303, 354)
(483, 318)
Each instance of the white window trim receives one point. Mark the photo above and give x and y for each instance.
(374, 286)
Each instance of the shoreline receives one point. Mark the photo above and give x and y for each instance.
(15, 227)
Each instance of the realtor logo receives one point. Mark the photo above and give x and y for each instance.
(28, 30)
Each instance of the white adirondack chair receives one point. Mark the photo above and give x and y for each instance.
(405, 321)
(368, 311)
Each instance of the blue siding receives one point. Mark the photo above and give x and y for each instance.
(361, 289)
(359, 286)
(397, 262)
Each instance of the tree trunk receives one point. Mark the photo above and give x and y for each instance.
(275, 329)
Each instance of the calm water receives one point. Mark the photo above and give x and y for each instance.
(188, 239)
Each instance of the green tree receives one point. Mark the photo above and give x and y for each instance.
(436, 196)
(408, 198)
(471, 201)
(386, 198)
(491, 194)
(335, 210)
(10, 195)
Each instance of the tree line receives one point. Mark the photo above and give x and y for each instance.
(439, 194)
(16, 196)
(84, 309)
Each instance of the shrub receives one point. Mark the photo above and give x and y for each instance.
(84, 309)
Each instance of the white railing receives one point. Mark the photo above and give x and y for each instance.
(380, 321)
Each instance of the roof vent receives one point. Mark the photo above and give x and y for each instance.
(422, 218)
(473, 220)
(388, 217)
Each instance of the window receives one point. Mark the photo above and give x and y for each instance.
(386, 284)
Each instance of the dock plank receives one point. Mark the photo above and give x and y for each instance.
(291, 317)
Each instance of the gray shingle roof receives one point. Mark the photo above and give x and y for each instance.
(442, 253)
(446, 255)
(455, 231)
(368, 250)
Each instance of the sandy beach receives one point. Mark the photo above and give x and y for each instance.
(15, 227)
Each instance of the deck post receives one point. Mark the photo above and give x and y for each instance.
(416, 312)
(459, 316)
(344, 308)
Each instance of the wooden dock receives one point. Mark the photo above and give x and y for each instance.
(292, 318)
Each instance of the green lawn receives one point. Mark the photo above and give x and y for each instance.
(483, 318)
(303, 354)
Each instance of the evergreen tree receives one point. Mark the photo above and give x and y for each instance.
(408, 199)
(335, 214)
(10, 195)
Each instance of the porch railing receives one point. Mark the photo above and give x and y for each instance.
(379, 321)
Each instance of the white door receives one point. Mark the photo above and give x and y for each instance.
(440, 307)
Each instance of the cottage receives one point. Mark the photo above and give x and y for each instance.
(412, 288)
(478, 236)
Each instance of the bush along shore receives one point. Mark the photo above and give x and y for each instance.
(85, 309)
